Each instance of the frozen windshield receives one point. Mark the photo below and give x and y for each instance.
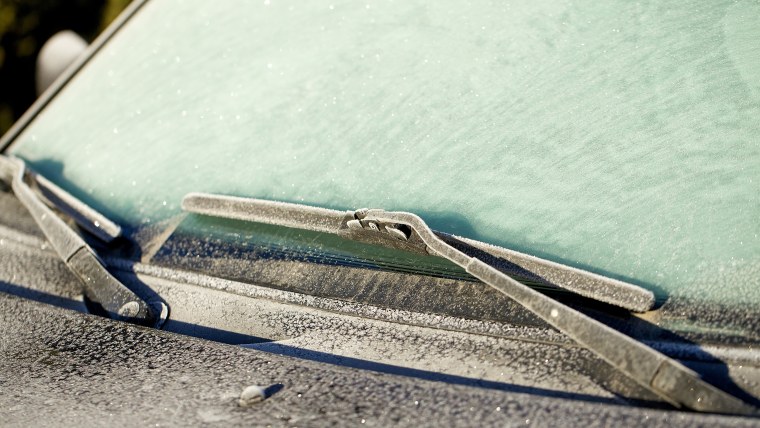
(623, 137)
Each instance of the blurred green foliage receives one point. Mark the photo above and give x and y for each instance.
(25, 25)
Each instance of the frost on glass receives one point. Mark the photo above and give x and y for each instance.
(620, 137)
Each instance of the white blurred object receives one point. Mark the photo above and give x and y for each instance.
(57, 54)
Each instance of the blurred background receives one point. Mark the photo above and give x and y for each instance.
(25, 25)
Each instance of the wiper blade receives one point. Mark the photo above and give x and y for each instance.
(587, 284)
(667, 378)
(84, 216)
(100, 287)
(53, 196)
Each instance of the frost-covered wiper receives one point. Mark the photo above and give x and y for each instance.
(584, 283)
(101, 288)
(662, 375)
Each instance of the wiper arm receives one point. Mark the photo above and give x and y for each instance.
(99, 286)
(664, 376)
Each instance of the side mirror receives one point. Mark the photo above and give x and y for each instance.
(56, 54)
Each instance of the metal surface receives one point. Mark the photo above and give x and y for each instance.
(68, 369)
(665, 377)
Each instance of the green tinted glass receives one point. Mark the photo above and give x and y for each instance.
(620, 137)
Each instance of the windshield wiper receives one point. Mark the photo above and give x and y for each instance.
(584, 283)
(102, 289)
(669, 379)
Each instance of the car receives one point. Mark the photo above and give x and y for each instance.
(560, 223)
